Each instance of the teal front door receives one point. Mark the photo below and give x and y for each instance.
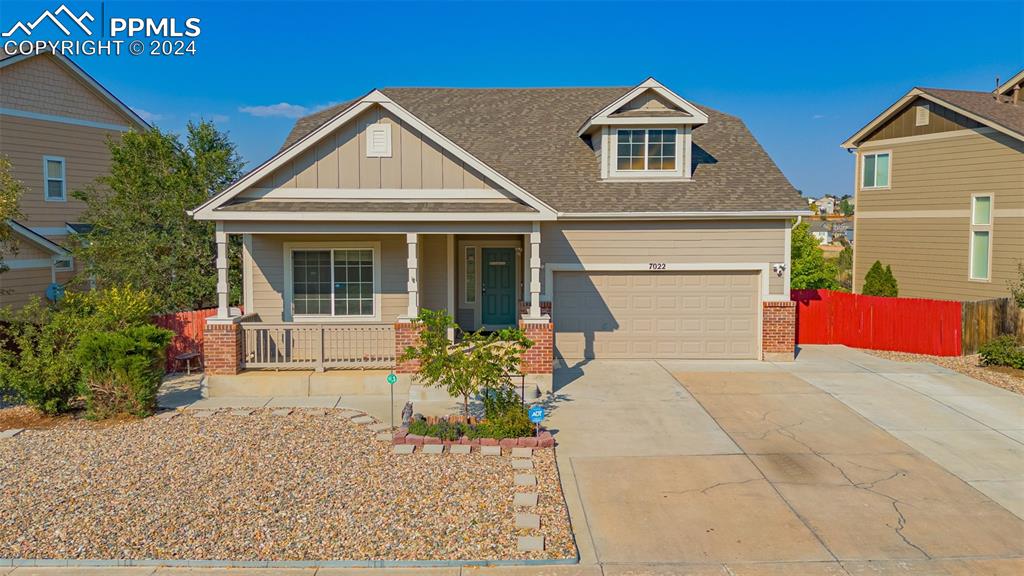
(499, 287)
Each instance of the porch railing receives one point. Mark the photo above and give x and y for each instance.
(301, 346)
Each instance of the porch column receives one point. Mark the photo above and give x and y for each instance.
(535, 271)
(222, 271)
(412, 262)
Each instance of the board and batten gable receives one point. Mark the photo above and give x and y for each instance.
(339, 161)
(684, 242)
(920, 224)
(904, 123)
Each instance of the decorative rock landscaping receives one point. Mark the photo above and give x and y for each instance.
(296, 487)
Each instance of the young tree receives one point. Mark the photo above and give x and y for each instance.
(141, 233)
(879, 281)
(845, 207)
(845, 265)
(11, 190)
(810, 269)
(1017, 285)
(478, 361)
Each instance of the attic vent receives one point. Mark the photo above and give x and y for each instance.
(921, 119)
(378, 141)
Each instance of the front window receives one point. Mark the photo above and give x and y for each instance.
(54, 181)
(337, 282)
(981, 238)
(875, 172)
(646, 150)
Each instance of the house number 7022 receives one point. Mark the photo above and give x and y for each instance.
(656, 266)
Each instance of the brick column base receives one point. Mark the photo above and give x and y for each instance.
(540, 358)
(406, 334)
(778, 330)
(222, 348)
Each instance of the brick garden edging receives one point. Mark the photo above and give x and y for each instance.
(545, 440)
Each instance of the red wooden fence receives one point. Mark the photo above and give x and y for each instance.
(188, 331)
(878, 323)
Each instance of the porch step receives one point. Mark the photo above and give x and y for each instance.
(419, 393)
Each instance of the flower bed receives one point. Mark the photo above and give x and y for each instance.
(402, 436)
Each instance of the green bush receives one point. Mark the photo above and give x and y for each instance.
(879, 281)
(1003, 351)
(38, 362)
(121, 370)
(514, 423)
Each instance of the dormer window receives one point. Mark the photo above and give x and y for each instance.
(647, 150)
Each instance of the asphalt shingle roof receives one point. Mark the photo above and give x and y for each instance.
(529, 136)
(983, 104)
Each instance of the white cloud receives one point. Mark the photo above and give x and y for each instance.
(817, 117)
(148, 116)
(280, 110)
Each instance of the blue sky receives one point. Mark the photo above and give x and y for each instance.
(803, 75)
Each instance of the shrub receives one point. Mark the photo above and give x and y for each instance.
(121, 370)
(39, 363)
(513, 423)
(879, 281)
(1003, 351)
(1017, 285)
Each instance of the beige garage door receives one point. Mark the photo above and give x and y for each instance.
(656, 315)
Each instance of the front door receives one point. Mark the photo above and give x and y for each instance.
(499, 287)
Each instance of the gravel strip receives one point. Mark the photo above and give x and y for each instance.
(298, 487)
(1007, 379)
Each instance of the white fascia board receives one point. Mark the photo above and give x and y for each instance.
(697, 115)
(854, 141)
(37, 238)
(681, 215)
(376, 216)
(278, 160)
(84, 77)
(204, 211)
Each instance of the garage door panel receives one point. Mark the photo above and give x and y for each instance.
(656, 315)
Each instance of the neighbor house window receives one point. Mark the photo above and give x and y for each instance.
(981, 238)
(646, 150)
(470, 288)
(337, 282)
(875, 172)
(55, 178)
(63, 263)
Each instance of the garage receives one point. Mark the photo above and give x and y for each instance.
(626, 315)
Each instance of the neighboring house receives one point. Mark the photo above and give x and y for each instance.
(939, 189)
(642, 225)
(821, 230)
(825, 205)
(55, 121)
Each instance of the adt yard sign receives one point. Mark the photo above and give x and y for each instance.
(536, 414)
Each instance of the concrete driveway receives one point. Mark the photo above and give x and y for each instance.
(839, 463)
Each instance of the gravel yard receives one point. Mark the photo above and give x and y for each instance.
(260, 487)
(1006, 378)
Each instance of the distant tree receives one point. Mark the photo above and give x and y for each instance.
(11, 190)
(141, 232)
(845, 265)
(879, 281)
(845, 207)
(810, 269)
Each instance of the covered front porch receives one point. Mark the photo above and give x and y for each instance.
(336, 301)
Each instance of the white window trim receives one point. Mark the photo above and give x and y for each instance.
(682, 170)
(860, 170)
(981, 228)
(56, 268)
(476, 275)
(289, 288)
(63, 179)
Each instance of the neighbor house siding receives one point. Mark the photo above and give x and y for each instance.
(671, 242)
(43, 86)
(339, 161)
(921, 224)
(25, 284)
(940, 119)
(268, 272)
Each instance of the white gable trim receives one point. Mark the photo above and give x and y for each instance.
(37, 238)
(602, 117)
(84, 77)
(1005, 86)
(854, 141)
(205, 211)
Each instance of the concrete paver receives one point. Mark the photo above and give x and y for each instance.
(575, 570)
(388, 571)
(970, 454)
(945, 384)
(907, 410)
(1001, 413)
(80, 571)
